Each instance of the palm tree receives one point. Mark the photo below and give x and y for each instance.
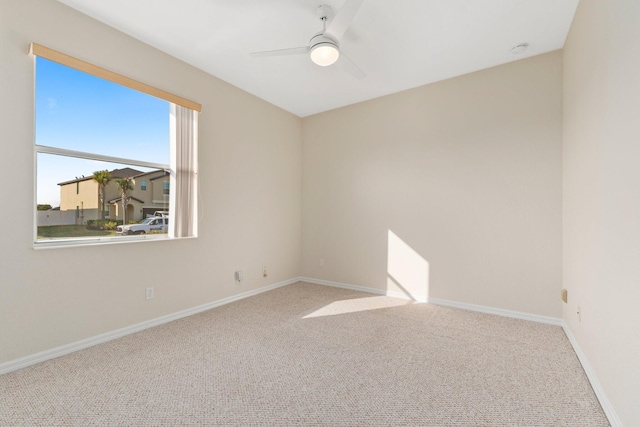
(124, 185)
(102, 178)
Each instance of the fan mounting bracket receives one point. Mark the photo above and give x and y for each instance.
(324, 12)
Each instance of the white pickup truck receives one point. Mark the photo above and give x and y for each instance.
(156, 224)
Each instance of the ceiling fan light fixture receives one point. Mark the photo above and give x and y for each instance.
(324, 54)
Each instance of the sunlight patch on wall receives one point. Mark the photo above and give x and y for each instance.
(355, 305)
(407, 270)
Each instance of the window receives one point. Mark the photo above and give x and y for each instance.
(97, 133)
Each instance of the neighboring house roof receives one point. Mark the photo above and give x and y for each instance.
(115, 174)
(118, 199)
(84, 178)
(124, 173)
(159, 177)
(152, 172)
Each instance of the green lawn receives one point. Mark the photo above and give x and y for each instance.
(56, 231)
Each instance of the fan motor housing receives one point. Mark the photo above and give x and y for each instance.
(320, 38)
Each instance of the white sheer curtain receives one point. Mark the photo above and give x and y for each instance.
(184, 172)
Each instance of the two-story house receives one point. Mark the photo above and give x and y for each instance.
(150, 193)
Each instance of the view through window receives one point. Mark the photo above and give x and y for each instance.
(102, 157)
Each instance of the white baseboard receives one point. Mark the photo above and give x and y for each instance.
(479, 308)
(498, 311)
(42, 356)
(375, 291)
(611, 414)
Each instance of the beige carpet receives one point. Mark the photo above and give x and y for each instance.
(312, 355)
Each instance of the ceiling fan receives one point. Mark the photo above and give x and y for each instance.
(324, 47)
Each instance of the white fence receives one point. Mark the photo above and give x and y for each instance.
(56, 218)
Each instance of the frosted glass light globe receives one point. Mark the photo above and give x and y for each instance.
(324, 54)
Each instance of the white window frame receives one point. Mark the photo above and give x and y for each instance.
(77, 64)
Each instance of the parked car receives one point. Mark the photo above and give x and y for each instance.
(156, 223)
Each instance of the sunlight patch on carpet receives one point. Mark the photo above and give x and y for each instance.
(356, 305)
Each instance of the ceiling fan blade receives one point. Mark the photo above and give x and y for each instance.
(343, 19)
(281, 52)
(350, 67)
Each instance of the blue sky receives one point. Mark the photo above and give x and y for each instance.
(77, 111)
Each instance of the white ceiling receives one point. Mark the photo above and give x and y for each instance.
(399, 44)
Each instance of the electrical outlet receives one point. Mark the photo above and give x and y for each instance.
(264, 271)
(149, 293)
(321, 262)
(239, 275)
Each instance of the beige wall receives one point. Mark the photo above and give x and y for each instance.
(601, 175)
(250, 196)
(451, 190)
